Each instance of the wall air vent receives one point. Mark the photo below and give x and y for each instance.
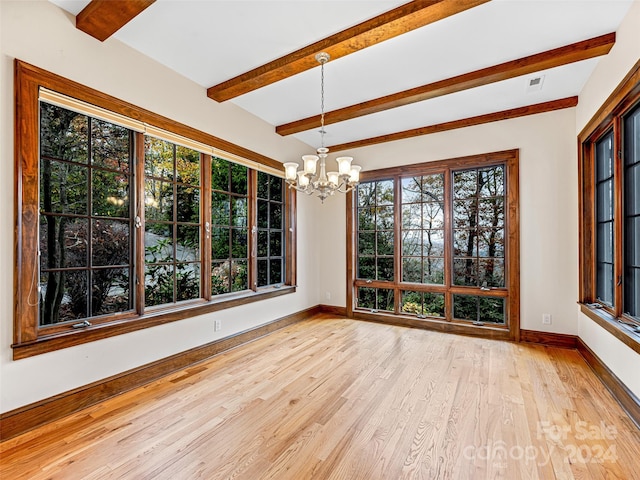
(534, 84)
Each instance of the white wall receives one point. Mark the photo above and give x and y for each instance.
(548, 205)
(622, 360)
(41, 34)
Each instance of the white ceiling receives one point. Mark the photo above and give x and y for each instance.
(210, 41)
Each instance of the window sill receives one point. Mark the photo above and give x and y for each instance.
(72, 337)
(613, 326)
(492, 331)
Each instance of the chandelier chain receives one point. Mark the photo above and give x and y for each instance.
(322, 103)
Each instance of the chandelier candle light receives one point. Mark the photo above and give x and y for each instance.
(324, 183)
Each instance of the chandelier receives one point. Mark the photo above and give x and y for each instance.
(324, 183)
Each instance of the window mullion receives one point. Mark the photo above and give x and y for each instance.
(205, 219)
(448, 242)
(397, 244)
(618, 222)
(139, 221)
(252, 224)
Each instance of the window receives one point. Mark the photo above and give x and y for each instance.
(271, 240)
(86, 266)
(439, 242)
(172, 223)
(229, 227)
(609, 160)
(122, 226)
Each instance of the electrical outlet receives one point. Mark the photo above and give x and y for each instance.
(217, 325)
(546, 319)
(327, 295)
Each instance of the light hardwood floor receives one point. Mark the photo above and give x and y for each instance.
(330, 398)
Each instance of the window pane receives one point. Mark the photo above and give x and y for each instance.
(465, 184)
(72, 252)
(220, 277)
(423, 304)
(275, 216)
(275, 244)
(110, 291)
(219, 174)
(491, 212)
(465, 307)
(366, 268)
(187, 166)
(385, 299)
(239, 214)
(63, 134)
(158, 200)
(109, 146)
(433, 271)
(263, 272)
(384, 192)
(110, 192)
(491, 272)
(384, 218)
(220, 243)
(110, 243)
(412, 269)
(238, 179)
(263, 185)
(385, 243)
(63, 187)
(63, 296)
(187, 204)
(366, 243)
(464, 243)
(187, 281)
(385, 269)
(158, 286)
(433, 243)
(367, 298)
(412, 190)
(491, 242)
(465, 272)
(432, 215)
(263, 243)
(275, 271)
(491, 181)
(412, 243)
(158, 159)
(263, 214)
(239, 243)
(220, 209)
(491, 310)
(275, 189)
(465, 213)
(158, 243)
(366, 194)
(412, 215)
(604, 284)
(239, 277)
(366, 218)
(188, 243)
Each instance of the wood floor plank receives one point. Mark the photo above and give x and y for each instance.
(332, 398)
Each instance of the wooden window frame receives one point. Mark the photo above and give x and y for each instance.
(511, 291)
(609, 117)
(29, 339)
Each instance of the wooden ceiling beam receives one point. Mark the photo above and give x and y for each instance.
(103, 18)
(390, 24)
(567, 54)
(465, 122)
